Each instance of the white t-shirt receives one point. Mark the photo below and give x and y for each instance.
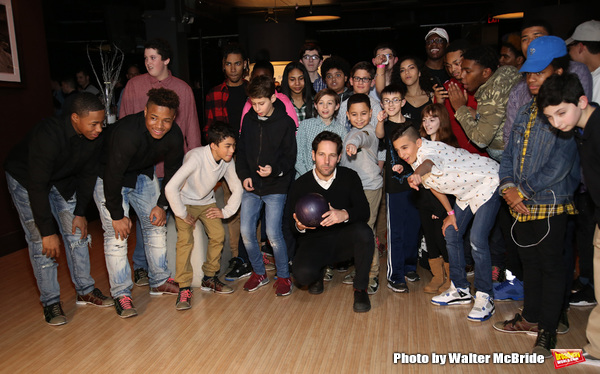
(596, 85)
(473, 179)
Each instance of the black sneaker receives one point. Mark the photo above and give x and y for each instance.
(343, 266)
(398, 287)
(124, 307)
(412, 276)
(545, 342)
(317, 287)
(267, 249)
(54, 314)
(563, 323)
(362, 303)
(584, 297)
(243, 270)
(140, 277)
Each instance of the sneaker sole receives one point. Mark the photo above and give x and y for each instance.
(482, 319)
(510, 299)
(263, 283)
(185, 307)
(81, 302)
(231, 279)
(142, 284)
(56, 323)
(208, 289)
(285, 294)
(533, 333)
(583, 304)
(453, 302)
(397, 290)
(160, 293)
(128, 315)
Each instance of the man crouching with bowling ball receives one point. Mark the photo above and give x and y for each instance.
(343, 233)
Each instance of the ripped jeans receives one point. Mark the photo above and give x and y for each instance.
(143, 199)
(76, 249)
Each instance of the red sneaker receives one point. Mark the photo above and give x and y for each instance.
(283, 286)
(256, 281)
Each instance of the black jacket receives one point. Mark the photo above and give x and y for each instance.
(53, 154)
(129, 151)
(269, 142)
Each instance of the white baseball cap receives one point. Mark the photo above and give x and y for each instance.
(439, 31)
(588, 31)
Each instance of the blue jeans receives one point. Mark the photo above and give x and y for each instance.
(249, 214)
(143, 199)
(76, 249)
(139, 255)
(483, 222)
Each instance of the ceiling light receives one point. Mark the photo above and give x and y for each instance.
(318, 13)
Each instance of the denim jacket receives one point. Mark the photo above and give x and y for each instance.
(551, 161)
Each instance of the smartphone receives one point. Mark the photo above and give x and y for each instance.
(438, 81)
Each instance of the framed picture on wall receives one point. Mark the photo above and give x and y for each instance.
(9, 59)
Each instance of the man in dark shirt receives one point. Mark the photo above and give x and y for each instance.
(343, 233)
(133, 146)
(436, 42)
(52, 173)
(225, 103)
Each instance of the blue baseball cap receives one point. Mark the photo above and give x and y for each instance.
(541, 52)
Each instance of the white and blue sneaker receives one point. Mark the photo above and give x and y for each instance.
(483, 309)
(453, 296)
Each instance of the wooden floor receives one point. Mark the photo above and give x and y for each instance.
(250, 332)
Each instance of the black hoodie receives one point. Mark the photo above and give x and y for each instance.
(269, 142)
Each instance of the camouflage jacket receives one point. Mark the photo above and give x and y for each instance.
(485, 130)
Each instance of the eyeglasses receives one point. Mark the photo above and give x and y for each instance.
(362, 80)
(311, 57)
(388, 101)
(435, 41)
(336, 75)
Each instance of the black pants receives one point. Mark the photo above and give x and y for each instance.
(543, 269)
(434, 237)
(315, 251)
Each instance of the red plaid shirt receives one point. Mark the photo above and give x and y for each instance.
(216, 105)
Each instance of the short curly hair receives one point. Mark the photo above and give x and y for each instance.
(163, 97)
(163, 48)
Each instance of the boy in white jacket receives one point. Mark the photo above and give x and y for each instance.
(191, 197)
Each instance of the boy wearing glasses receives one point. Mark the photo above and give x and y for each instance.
(361, 80)
(312, 58)
(403, 221)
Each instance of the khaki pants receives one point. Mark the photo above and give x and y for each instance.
(374, 198)
(233, 223)
(185, 244)
(593, 327)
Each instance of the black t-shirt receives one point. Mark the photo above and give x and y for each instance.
(395, 182)
(589, 152)
(441, 74)
(413, 113)
(235, 105)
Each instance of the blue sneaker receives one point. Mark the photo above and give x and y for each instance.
(509, 290)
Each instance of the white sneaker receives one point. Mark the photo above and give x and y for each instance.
(483, 308)
(453, 296)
